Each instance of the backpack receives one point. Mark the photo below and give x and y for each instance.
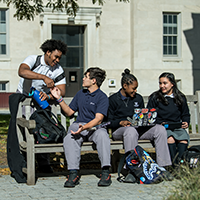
(48, 128)
(142, 166)
(192, 155)
(37, 63)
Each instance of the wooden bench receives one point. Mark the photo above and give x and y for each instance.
(27, 143)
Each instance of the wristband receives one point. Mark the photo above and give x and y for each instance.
(59, 100)
(48, 96)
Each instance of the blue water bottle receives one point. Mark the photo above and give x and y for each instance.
(35, 94)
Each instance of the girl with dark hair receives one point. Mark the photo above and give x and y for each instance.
(121, 106)
(171, 106)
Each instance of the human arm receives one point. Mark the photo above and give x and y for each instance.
(96, 121)
(185, 114)
(56, 92)
(25, 72)
(152, 103)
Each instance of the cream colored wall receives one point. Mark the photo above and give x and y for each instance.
(129, 36)
(24, 40)
(147, 59)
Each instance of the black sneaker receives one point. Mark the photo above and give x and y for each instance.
(167, 176)
(73, 179)
(105, 179)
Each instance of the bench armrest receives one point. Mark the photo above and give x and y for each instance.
(30, 124)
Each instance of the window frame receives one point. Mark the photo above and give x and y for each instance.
(7, 34)
(178, 55)
(6, 84)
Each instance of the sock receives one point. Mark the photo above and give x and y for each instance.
(182, 147)
(172, 151)
(105, 167)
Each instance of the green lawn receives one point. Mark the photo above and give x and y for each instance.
(4, 123)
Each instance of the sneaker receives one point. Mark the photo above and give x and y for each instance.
(105, 179)
(129, 178)
(73, 179)
(167, 176)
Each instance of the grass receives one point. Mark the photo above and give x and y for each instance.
(4, 124)
(187, 187)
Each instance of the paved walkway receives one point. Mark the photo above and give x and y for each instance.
(51, 188)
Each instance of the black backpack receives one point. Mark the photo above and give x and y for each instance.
(192, 156)
(48, 128)
(142, 166)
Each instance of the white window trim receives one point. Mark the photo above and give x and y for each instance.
(85, 16)
(6, 57)
(178, 57)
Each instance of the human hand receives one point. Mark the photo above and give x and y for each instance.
(184, 125)
(125, 123)
(56, 92)
(43, 96)
(78, 131)
(49, 82)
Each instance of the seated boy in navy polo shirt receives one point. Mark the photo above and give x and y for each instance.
(91, 105)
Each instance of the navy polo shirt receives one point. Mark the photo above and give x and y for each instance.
(88, 104)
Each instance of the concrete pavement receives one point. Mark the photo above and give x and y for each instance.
(51, 188)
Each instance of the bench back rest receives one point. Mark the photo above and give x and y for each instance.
(193, 103)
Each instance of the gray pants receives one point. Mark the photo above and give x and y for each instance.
(72, 145)
(157, 134)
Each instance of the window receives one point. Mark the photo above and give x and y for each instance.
(73, 37)
(171, 35)
(73, 61)
(2, 86)
(3, 33)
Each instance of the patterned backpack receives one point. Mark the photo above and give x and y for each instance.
(142, 166)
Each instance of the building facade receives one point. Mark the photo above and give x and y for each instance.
(148, 37)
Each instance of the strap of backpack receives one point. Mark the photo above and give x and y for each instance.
(60, 77)
(121, 164)
(37, 62)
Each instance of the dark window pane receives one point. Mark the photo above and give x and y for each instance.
(3, 49)
(165, 40)
(170, 50)
(165, 30)
(174, 40)
(169, 40)
(170, 19)
(3, 86)
(175, 30)
(2, 16)
(71, 35)
(175, 19)
(73, 57)
(175, 50)
(165, 19)
(165, 50)
(170, 30)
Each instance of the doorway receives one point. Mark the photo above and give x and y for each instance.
(73, 61)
